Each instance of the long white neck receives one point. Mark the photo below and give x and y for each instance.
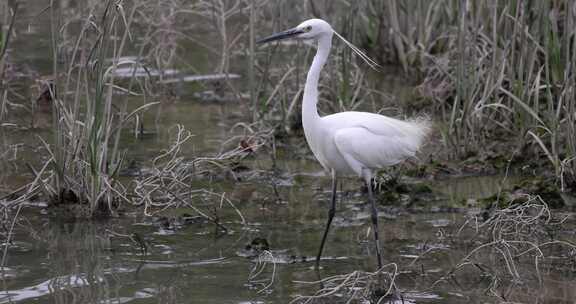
(310, 99)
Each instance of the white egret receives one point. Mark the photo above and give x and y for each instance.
(350, 143)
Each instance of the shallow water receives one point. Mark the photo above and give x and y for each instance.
(55, 262)
(50, 261)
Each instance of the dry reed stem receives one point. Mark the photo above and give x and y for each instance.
(168, 185)
(513, 232)
(354, 286)
(258, 269)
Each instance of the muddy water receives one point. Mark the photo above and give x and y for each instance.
(103, 262)
(88, 262)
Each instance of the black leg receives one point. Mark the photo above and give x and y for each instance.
(331, 214)
(374, 220)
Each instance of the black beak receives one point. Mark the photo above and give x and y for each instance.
(282, 35)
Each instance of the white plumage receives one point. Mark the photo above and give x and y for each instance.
(351, 141)
(348, 143)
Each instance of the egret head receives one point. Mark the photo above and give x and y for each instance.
(315, 29)
(309, 29)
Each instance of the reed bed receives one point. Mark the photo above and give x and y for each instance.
(505, 81)
(85, 156)
(497, 74)
(8, 17)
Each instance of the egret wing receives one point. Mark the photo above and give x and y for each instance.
(381, 125)
(362, 147)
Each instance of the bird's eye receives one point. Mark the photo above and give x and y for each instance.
(308, 28)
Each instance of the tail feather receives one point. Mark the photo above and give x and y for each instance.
(422, 127)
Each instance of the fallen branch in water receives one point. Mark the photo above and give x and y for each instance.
(358, 285)
(520, 230)
(264, 258)
(168, 185)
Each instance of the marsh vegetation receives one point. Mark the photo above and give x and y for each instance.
(151, 152)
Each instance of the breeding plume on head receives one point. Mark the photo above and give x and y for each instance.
(350, 143)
